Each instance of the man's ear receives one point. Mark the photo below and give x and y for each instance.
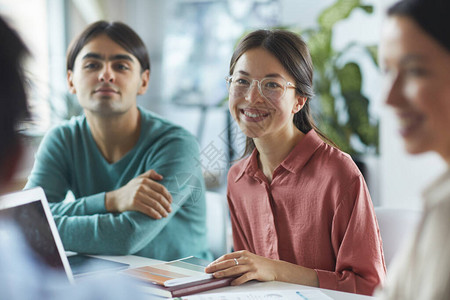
(72, 89)
(9, 164)
(301, 101)
(145, 78)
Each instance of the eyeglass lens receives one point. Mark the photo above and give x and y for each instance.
(271, 88)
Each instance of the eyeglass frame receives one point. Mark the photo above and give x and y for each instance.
(287, 85)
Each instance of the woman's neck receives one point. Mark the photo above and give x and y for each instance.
(274, 149)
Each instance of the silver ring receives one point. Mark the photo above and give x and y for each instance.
(236, 261)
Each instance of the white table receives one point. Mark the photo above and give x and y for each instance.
(137, 261)
(277, 285)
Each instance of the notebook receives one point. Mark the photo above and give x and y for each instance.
(29, 209)
(176, 278)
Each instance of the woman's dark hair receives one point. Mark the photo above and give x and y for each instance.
(119, 32)
(293, 54)
(13, 99)
(430, 15)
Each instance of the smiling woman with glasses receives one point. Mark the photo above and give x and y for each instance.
(300, 209)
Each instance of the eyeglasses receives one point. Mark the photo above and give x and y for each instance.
(271, 88)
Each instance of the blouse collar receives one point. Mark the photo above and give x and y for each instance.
(295, 160)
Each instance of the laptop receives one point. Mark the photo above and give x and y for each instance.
(30, 211)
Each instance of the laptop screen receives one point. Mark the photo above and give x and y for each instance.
(32, 222)
(30, 212)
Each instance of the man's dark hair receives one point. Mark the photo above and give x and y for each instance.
(119, 32)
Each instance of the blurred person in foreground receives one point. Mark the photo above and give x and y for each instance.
(415, 57)
(13, 102)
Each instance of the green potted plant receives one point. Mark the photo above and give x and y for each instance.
(343, 112)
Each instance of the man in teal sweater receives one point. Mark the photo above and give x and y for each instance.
(135, 176)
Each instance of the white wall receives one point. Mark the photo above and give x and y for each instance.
(403, 177)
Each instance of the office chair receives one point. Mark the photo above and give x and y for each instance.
(218, 224)
(396, 226)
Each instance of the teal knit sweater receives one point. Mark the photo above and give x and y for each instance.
(68, 160)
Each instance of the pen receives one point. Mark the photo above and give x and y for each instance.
(300, 294)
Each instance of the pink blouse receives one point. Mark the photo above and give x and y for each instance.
(315, 213)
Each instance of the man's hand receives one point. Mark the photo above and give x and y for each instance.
(141, 194)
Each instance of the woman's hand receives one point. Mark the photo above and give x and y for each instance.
(245, 266)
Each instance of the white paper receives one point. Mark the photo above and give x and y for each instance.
(184, 280)
(263, 295)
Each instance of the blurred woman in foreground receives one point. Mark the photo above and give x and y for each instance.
(415, 55)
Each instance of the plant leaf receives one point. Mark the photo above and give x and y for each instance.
(340, 10)
(373, 52)
(367, 8)
(350, 78)
(319, 44)
(358, 111)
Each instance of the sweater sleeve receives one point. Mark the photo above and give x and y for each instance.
(51, 171)
(357, 245)
(86, 227)
(129, 232)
